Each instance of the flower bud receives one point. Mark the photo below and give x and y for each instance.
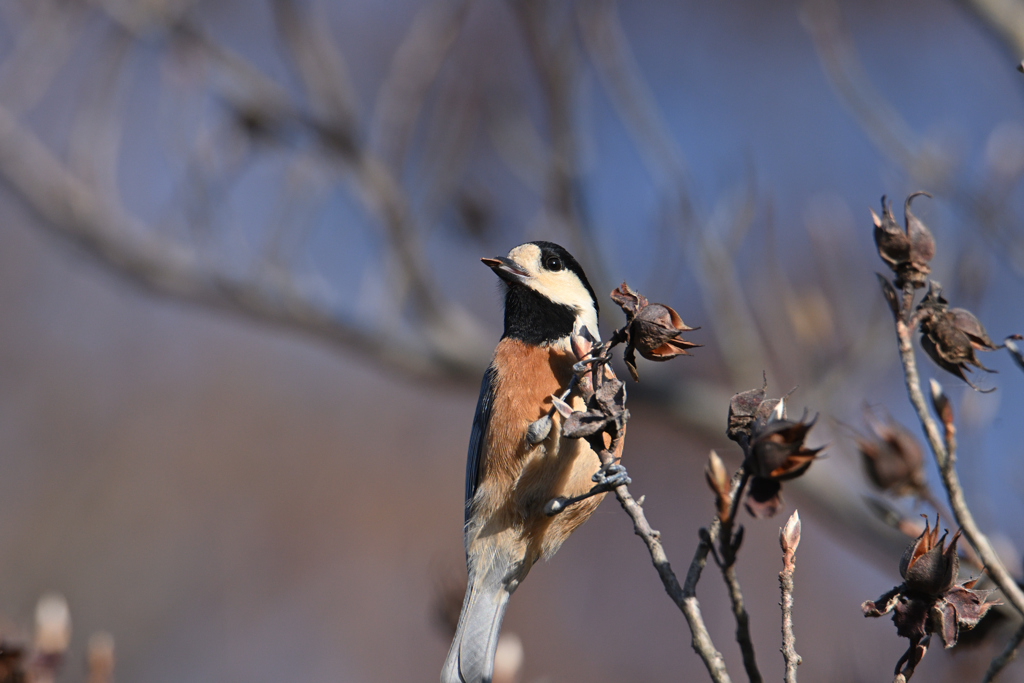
(941, 404)
(53, 625)
(718, 480)
(789, 535)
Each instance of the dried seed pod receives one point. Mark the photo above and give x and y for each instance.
(892, 457)
(652, 329)
(776, 454)
(742, 409)
(929, 600)
(908, 250)
(951, 336)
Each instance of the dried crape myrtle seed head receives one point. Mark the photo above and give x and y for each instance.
(927, 566)
(950, 337)
(892, 457)
(774, 447)
(908, 250)
(930, 600)
(653, 330)
(742, 409)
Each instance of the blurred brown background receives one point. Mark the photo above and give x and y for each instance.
(242, 319)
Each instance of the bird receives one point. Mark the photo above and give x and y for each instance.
(512, 472)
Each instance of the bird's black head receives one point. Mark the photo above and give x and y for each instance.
(547, 293)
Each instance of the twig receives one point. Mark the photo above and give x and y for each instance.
(944, 450)
(729, 544)
(1004, 19)
(554, 59)
(319, 64)
(1005, 657)
(414, 68)
(880, 121)
(104, 230)
(685, 596)
(789, 538)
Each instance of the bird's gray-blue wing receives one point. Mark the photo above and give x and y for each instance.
(478, 436)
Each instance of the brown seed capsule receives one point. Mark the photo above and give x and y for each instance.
(951, 336)
(651, 329)
(929, 600)
(907, 250)
(742, 408)
(892, 457)
(927, 566)
(655, 333)
(776, 453)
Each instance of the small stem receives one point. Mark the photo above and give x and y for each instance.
(1005, 657)
(908, 302)
(742, 623)
(685, 596)
(788, 637)
(727, 546)
(789, 653)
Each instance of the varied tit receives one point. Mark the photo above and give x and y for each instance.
(511, 475)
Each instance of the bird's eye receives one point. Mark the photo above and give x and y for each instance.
(553, 263)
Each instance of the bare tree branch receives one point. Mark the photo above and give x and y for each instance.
(318, 63)
(1004, 18)
(414, 68)
(1008, 654)
(108, 233)
(555, 61)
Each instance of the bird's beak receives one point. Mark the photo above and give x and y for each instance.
(507, 269)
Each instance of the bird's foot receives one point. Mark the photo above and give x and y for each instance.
(605, 479)
(611, 476)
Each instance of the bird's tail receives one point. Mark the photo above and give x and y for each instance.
(471, 657)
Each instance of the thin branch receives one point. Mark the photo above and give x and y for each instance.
(684, 596)
(890, 133)
(729, 543)
(554, 60)
(318, 63)
(104, 230)
(742, 623)
(1005, 657)
(946, 460)
(1005, 19)
(41, 49)
(414, 68)
(789, 538)
(94, 143)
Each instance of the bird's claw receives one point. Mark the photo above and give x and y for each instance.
(611, 476)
